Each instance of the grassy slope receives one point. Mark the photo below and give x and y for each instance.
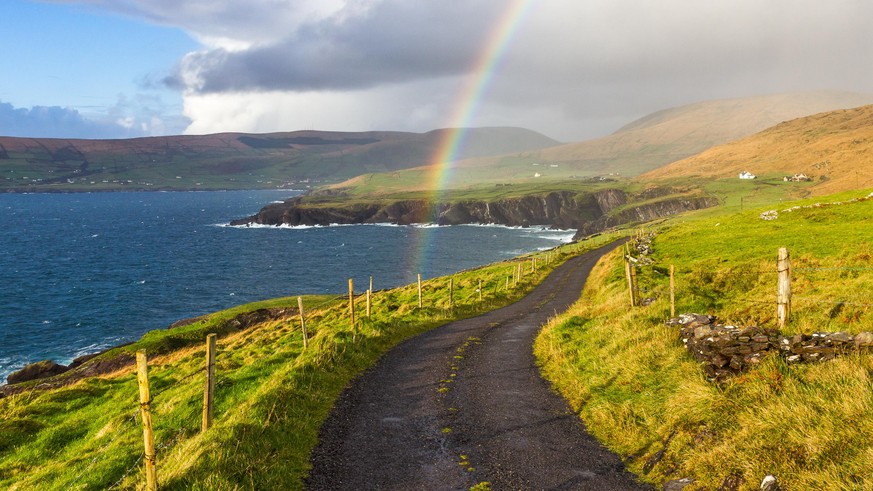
(232, 160)
(834, 148)
(645, 144)
(639, 391)
(271, 394)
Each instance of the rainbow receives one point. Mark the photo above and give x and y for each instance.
(440, 169)
(439, 173)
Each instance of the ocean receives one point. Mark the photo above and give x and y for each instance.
(80, 273)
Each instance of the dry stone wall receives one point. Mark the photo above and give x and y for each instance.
(726, 350)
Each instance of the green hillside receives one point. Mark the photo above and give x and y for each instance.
(640, 392)
(648, 143)
(272, 394)
(831, 148)
(297, 159)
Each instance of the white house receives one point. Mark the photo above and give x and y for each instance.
(801, 177)
(747, 175)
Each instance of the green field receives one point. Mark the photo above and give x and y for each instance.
(272, 394)
(640, 393)
(622, 369)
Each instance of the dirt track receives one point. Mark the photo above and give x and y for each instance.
(403, 425)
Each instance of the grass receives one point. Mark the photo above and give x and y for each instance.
(640, 393)
(271, 394)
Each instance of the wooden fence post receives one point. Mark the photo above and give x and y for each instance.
(369, 293)
(302, 322)
(630, 280)
(352, 302)
(419, 290)
(672, 292)
(145, 409)
(783, 289)
(371, 283)
(451, 292)
(209, 386)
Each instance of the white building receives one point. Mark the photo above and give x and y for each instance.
(747, 175)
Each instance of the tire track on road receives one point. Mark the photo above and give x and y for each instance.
(422, 418)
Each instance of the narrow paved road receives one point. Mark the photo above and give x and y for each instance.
(465, 404)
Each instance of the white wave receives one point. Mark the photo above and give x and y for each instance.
(303, 227)
(264, 226)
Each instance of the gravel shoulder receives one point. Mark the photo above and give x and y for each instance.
(464, 404)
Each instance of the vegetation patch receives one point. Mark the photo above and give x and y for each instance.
(638, 391)
(272, 395)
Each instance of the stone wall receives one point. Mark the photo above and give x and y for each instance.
(726, 350)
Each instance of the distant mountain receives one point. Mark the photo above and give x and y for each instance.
(673, 134)
(834, 149)
(645, 144)
(233, 160)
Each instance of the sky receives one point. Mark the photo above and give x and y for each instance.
(570, 69)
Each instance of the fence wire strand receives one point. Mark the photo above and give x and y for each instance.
(831, 302)
(127, 472)
(99, 452)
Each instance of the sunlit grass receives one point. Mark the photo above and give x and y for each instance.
(640, 393)
(271, 394)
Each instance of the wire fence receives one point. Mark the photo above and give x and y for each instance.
(174, 432)
(650, 281)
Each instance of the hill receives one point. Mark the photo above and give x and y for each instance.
(645, 144)
(669, 135)
(232, 160)
(832, 148)
(644, 395)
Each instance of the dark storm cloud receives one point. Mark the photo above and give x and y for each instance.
(391, 42)
(574, 69)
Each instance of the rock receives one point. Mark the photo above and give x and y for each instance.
(753, 359)
(719, 361)
(701, 332)
(36, 371)
(736, 363)
(864, 339)
(770, 484)
(841, 337)
(77, 362)
(732, 483)
(691, 320)
(677, 484)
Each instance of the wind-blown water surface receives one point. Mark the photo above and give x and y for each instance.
(83, 272)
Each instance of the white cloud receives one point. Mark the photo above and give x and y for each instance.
(574, 69)
(398, 107)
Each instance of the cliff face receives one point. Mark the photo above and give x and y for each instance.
(645, 213)
(590, 213)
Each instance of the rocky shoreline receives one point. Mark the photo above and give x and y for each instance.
(47, 374)
(588, 213)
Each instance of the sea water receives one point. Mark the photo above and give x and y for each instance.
(83, 272)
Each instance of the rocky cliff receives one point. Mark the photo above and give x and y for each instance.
(645, 212)
(587, 212)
